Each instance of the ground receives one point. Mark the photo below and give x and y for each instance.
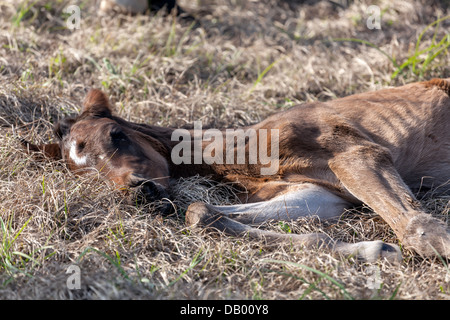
(229, 63)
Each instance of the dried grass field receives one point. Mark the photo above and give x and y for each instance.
(237, 63)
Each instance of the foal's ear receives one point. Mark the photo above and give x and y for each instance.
(62, 127)
(42, 151)
(97, 104)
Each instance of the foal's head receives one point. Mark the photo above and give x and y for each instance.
(122, 151)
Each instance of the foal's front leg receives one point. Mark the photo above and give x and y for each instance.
(373, 179)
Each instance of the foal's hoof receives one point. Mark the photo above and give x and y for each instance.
(372, 251)
(427, 236)
(199, 214)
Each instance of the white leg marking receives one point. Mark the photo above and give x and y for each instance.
(302, 201)
(80, 161)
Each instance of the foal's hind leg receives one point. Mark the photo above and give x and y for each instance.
(303, 200)
(299, 200)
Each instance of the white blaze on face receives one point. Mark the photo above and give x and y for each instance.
(80, 161)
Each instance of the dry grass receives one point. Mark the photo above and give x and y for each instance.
(243, 61)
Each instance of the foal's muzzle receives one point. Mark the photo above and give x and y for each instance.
(148, 191)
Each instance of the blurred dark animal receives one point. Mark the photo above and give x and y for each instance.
(140, 6)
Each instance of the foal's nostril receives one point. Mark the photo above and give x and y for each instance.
(150, 192)
(136, 181)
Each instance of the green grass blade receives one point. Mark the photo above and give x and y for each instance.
(107, 257)
(169, 48)
(419, 39)
(413, 60)
(23, 10)
(4, 231)
(195, 261)
(394, 294)
(24, 255)
(21, 230)
(320, 273)
(430, 58)
(370, 44)
(311, 287)
(262, 74)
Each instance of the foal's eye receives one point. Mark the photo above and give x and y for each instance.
(81, 146)
(117, 135)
